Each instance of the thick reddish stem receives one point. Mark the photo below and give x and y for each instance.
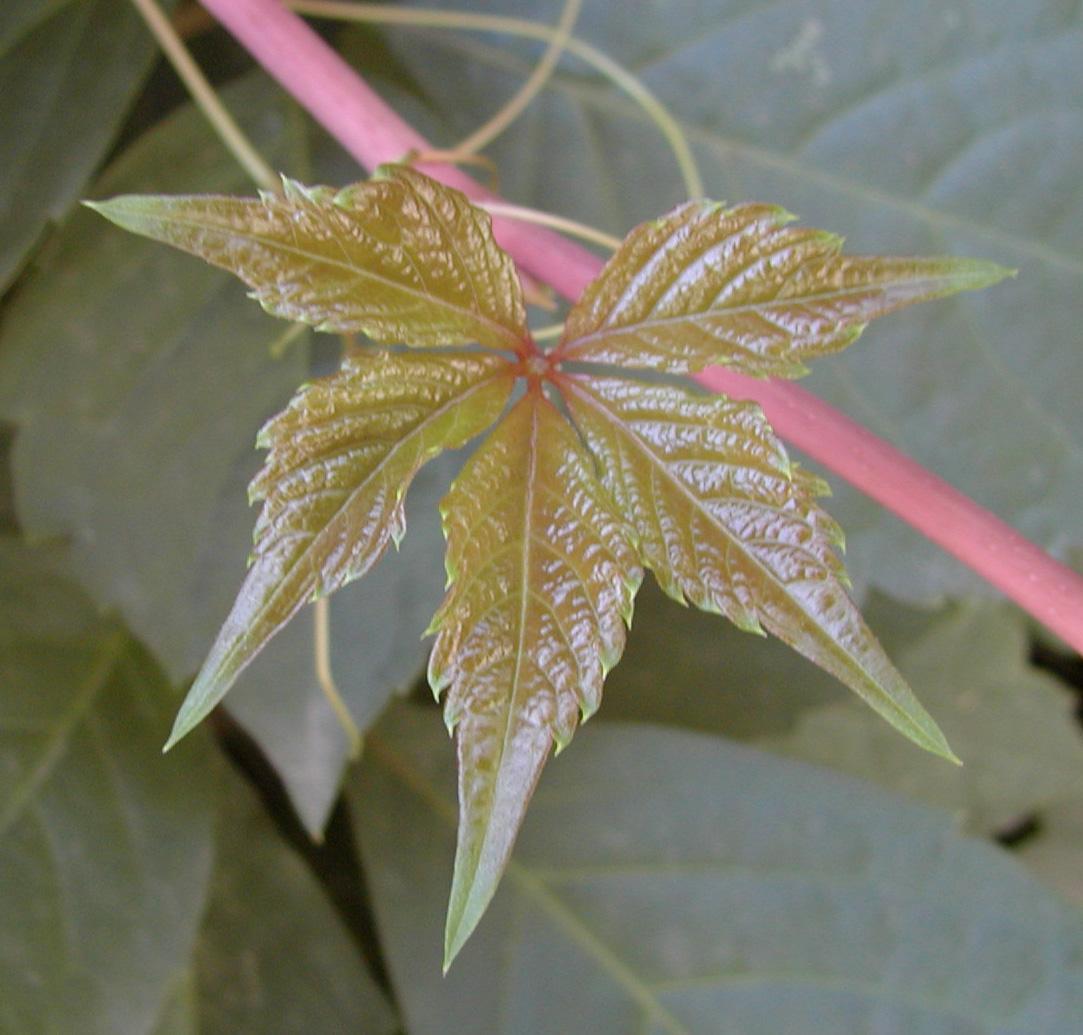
(373, 133)
(1048, 590)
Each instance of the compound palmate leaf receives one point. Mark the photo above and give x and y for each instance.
(396, 257)
(739, 288)
(541, 580)
(342, 456)
(552, 520)
(727, 522)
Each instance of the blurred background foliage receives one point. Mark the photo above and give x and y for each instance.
(733, 844)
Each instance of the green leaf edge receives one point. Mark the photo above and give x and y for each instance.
(135, 214)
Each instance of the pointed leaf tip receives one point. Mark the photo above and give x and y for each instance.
(918, 726)
(729, 524)
(341, 458)
(976, 274)
(204, 694)
(113, 209)
(457, 930)
(742, 288)
(543, 575)
(361, 263)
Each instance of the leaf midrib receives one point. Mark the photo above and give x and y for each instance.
(513, 339)
(569, 348)
(520, 647)
(613, 420)
(516, 872)
(59, 738)
(275, 595)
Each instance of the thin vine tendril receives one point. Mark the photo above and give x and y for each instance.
(205, 96)
(416, 17)
(248, 157)
(554, 222)
(321, 649)
(535, 83)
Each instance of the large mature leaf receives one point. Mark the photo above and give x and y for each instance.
(739, 288)
(120, 363)
(272, 955)
(906, 126)
(135, 445)
(723, 521)
(400, 257)
(68, 70)
(672, 882)
(1013, 725)
(1010, 724)
(542, 577)
(341, 458)
(105, 848)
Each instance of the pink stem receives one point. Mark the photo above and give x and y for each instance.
(1051, 592)
(373, 133)
(344, 104)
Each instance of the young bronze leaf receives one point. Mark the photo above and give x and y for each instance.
(739, 288)
(400, 257)
(342, 456)
(541, 581)
(725, 522)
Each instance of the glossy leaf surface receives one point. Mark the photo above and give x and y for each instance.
(680, 884)
(739, 288)
(725, 521)
(542, 578)
(909, 130)
(341, 458)
(375, 651)
(399, 257)
(545, 540)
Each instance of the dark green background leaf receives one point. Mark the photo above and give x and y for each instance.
(105, 847)
(910, 127)
(968, 663)
(272, 956)
(68, 71)
(673, 882)
(1055, 854)
(106, 851)
(138, 379)
(1013, 726)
